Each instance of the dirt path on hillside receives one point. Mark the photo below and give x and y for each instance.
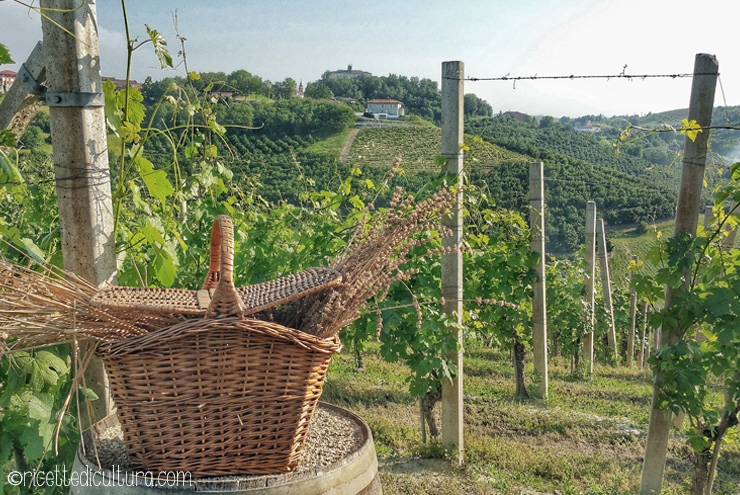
(348, 144)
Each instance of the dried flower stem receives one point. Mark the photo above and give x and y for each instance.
(372, 261)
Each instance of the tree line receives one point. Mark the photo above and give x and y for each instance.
(420, 96)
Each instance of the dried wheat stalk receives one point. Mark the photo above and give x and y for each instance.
(42, 305)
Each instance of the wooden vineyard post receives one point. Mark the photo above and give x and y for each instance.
(606, 285)
(703, 87)
(539, 300)
(588, 339)
(633, 324)
(453, 74)
(80, 153)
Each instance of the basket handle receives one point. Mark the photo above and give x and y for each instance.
(224, 299)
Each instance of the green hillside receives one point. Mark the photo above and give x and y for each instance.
(497, 155)
(419, 147)
(602, 148)
(630, 240)
(724, 143)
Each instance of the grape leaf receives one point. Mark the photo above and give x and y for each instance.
(690, 128)
(156, 181)
(160, 47)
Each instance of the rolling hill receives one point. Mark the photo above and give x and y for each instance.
(577, 170)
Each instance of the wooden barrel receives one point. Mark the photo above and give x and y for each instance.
(355, 474)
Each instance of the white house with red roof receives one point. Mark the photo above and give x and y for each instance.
(7, 78)
(385, 108)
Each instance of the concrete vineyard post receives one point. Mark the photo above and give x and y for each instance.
(706, 70)
(644, 338)
(606, 285)
(539, 301)
(588, 339)
(453, 74)
(80, 152)
(633, 324)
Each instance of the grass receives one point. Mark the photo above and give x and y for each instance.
(331, 145)
(577, 443)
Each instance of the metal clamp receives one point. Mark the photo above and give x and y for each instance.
(62, 99)
(27, 78)
(58, 98)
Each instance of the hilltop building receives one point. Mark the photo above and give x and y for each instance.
(519, 116)
(300, 93)
(587, 128)
(350, 72)
(7, 78)
(385, 108)
(121, 83)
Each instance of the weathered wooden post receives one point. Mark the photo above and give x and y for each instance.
(588, 339)
(80, 153)
(452, 266)
(606, 285)
(633, 324)
(706, 70)
(539, 300)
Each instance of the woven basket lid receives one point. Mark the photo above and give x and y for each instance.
(218, 295)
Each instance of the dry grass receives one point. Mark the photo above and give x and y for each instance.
(578, 443)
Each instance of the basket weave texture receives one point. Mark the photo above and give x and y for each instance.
(222, 394)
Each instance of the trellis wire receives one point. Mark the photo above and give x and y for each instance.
(622, 75)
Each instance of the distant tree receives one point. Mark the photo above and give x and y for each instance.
(371, 86)
(546, 121)
(317, 91)
(33, 138)
(301, 116)
(566, 121)
(267, 89)
(474, 106)
(212, 81)
(285, 89)
(42, 121)
(235, 114)
(245, 83)
(153, 90)
(345, 87)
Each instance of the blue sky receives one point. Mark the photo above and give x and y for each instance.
(276, 39)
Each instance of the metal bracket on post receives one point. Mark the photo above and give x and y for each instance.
(18, 108)
(58, 98)
(62, 99)
(32, 85)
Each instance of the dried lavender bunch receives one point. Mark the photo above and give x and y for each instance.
(372, 261)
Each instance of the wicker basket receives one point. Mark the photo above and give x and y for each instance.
(219, 395)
